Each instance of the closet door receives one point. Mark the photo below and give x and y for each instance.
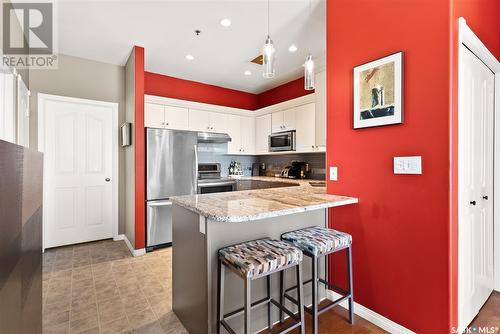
(476, 187)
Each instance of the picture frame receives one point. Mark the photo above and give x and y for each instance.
(378, 92)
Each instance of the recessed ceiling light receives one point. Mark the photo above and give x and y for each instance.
(189, 57)
(225, 22)
(292, 48)
(248, 73)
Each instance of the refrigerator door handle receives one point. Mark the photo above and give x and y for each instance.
(195, 177)
(159, 203)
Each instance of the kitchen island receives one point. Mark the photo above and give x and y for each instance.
(202, 224)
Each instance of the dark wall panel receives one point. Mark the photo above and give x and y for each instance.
(21, 179)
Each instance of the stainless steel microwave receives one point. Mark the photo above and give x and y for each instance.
(282, 141)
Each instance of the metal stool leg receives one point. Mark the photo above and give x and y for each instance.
(248, 305)
(300, 298)
(349, 276)
(314, 295)
(220, 294)
(282, 294)
(268, 284)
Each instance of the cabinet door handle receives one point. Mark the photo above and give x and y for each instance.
(473, 202)
(485, 197)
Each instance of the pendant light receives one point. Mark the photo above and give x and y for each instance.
(268, 52)
(309, 67)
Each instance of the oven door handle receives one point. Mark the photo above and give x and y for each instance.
(214, 184)
(195, 176)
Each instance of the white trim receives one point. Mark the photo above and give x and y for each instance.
(41, 98)
(467, 37)
(135, 252)
(310, 98)
(196, 105)
(371, 316)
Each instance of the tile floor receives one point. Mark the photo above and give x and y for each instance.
(100, 288)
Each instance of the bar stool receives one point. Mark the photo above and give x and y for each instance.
(252, 260)
(317, 242)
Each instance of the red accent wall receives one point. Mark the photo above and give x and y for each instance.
(140, 151)
(166, 86)
(285, 92)
(401, 225)
(483, 17)
(176, 88)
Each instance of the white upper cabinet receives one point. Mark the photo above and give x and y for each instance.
(218, 122)
(167, 117)
(247, 134)
(320, 96)
(241, 129)
(262, 132)
(154, 115)
(283, 120)
(234, 131)
(199, 120)
(207, 121)
(305, 121)
(176, 118)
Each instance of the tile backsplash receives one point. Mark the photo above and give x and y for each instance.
(274, 163)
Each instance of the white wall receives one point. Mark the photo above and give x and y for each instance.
(87, 79)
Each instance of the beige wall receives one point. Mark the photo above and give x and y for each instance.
(87, 79)
(129, 151)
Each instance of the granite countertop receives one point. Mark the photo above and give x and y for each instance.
(242, 206)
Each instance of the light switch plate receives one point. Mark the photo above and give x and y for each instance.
(334, 176)
(408, 165)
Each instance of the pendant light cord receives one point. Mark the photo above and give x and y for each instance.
(268, 16)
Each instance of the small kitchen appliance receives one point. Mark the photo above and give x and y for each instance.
(282, 141)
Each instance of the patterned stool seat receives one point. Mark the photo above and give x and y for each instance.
(258, 257)
(318, 240)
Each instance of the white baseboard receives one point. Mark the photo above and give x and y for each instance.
(135, 252)
(371, 316)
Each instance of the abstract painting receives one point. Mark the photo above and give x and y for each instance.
(378, 92)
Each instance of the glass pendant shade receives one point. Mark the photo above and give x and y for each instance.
(309, 73)
(268, 53)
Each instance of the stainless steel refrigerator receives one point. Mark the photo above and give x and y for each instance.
(171, 171)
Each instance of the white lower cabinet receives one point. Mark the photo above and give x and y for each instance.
(262, 132)
(241, 129)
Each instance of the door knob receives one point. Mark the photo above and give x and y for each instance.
(107, 179)
(485, 197)
(473, 202)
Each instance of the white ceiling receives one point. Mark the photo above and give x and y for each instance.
(107, 30)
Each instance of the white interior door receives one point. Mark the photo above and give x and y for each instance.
(77, 138)
(476, 128)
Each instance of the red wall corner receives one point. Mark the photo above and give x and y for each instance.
(282, 93)
(140, 151)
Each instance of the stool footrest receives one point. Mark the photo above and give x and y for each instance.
(239, 311)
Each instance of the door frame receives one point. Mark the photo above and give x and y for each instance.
(467, 38)
(42, 98)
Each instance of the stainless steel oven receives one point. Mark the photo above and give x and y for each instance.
(282, 141)
(210, 180)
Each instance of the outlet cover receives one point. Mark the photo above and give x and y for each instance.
(334, 176)
(408, 165)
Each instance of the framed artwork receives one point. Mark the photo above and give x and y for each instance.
(378, 92)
